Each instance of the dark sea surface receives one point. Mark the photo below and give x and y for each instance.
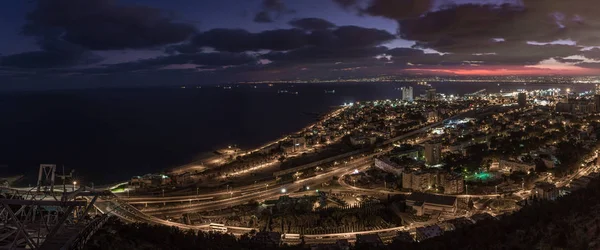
(109, 135)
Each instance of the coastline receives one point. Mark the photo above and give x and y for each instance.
(214, 159)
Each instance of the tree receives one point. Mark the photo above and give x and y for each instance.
(540, 166)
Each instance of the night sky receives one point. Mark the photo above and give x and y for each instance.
(137, 42)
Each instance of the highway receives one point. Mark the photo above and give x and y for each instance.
(128, 213)
(271, 192)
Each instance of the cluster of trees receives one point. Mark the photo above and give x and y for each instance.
(375, 178)
(362, 217)
(247, 215)
(117, 235)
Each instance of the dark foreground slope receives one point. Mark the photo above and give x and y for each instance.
(572, 222)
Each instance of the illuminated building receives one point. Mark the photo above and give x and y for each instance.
(362, 139)
(425, 203)
(522, 99)
(430, 95)
(432, 179)
(577, 106)
(388, 166)
(407, 94)
(453, 184)
(299, 142)
(433, 153)
(545, 191)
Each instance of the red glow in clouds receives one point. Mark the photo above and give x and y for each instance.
(507, 70)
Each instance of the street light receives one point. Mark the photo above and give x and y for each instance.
(283, 190)
(74, 183)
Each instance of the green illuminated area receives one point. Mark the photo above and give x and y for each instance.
(479, 177)
(120, 188)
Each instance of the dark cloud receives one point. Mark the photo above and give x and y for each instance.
(270, 9)
(263, 17)
(593, 53)
(591, 65)
(349, 36)
(564, 60)
(213, 60)
(104, 25)
(232, 40)
(404, 52)
(354, 36)
(238, 40)
(323, 54)
(398, 9)
(273, 5)
(454, 29)
(186, 48)
(54, 53)
(471, 28)
(311, 24)
(205, 59)
(46, 59)
(346, 3)
(285, 39)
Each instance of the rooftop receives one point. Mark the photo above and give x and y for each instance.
(432, 199)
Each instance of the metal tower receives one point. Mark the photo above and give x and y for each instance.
(46, 177)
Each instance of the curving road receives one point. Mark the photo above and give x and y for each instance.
(254, 192)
